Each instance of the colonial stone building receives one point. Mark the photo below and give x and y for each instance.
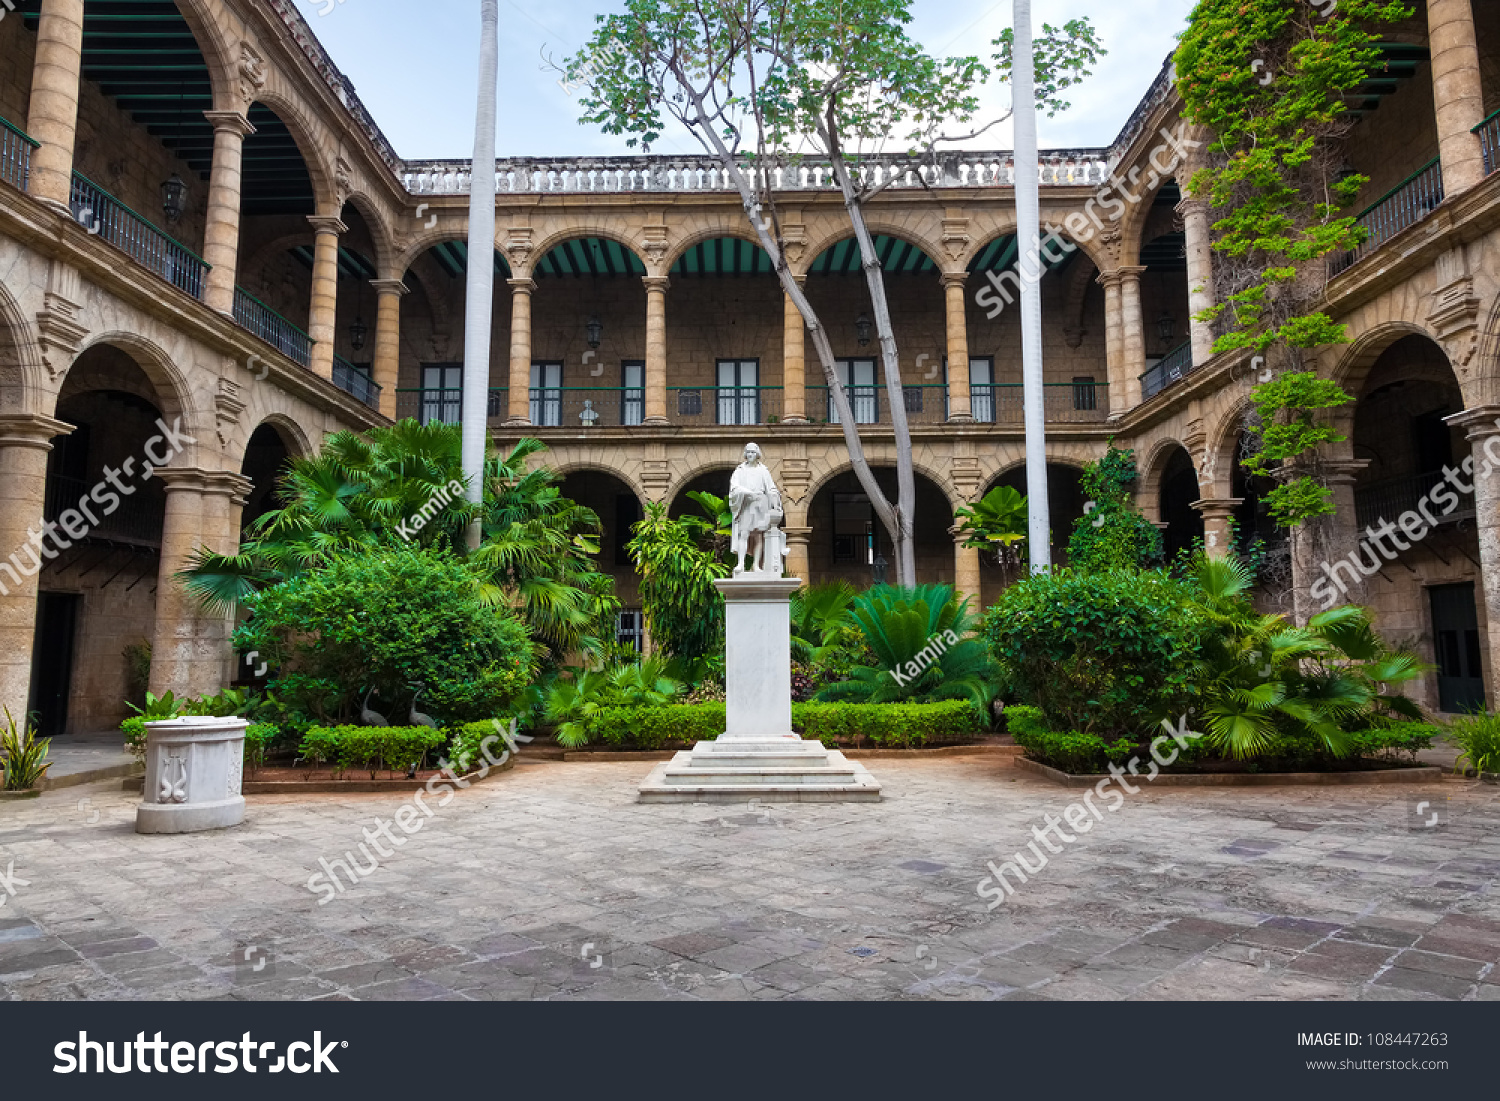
(210, 256)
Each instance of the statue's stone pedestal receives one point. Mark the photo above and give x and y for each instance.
(759, 756)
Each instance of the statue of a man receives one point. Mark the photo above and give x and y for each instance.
(755, 505)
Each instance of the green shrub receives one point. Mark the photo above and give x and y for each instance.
(1478, 738)
(466, 749)
(1110, 652)
(888, 724)
(23, 757)
(894, 724)
(1080, 754)
(1113, 533)
(654, 727)
(394, 748)
(384, 620)
(258, 738)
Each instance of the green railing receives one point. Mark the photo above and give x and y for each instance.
(15, 155)
(583, 407)
(1489, 142)
(1402, 207)
(356, 382)
(1173, 367)
(254, 316)
(102, 214)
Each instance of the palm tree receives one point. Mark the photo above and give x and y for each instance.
(363, 491)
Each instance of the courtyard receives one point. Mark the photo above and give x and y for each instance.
(551, 882)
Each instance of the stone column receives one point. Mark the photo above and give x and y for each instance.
(1114, 344)
(1132, 334)
(519, 405)
(965, 569)
(656, 348)
(1200, 276)
(959, 409)
(793, 362)
(387, 365)
(25, 439)
(797, 564)
(1483, 427)
(1456, 91)
(221, 234)
(323, 314)
(190, 649)
(53, 116)
(1218, 513)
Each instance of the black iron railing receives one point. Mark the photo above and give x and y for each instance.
(1402, 207)
(254, 316)
(15, 155)
(1173, 367)
(138, 520)
(1390, 498)
(101, 213)
(356, 381)
(1489, 142)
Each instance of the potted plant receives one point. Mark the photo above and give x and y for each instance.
(24, 759)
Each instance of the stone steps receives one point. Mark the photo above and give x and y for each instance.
(779, 771)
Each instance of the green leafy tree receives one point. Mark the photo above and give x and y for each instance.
(375, 623)
(677, 567)
(996, 524)
(1279, 196)
(757, 83)
(920, 640)
(1112, 533)
(393, 487)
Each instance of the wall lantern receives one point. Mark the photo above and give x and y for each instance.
(862, 329)
(1166, 328)
(595, 331)
(174, 197)
(357, 333)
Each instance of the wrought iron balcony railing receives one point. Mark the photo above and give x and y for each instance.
(15, 155)
(356, 381)
(254, 316)
(1489, 143)
(102, 214)
(584, 407)
(1402, 207)
(1173, 367)
(1390, 498)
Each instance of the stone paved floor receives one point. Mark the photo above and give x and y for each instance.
(551, 882)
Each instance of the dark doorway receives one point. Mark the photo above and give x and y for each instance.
(52, 660)
(1455, 633)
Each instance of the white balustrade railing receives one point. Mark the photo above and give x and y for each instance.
(1066, 168)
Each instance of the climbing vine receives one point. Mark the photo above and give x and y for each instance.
(1268, 80)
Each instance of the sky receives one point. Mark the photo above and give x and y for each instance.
(417, 73)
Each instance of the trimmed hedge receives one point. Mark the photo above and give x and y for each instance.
(1080, 754)
(258, 736)
(394, 748)
(892, 724)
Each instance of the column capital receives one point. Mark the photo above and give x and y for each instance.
(1340, 471)
(1191, 204)
(521, 286)
(1478, 423)
(656, 282)
(1217, 507)
(327, 223)
(230, 122)
(211, 483)
(797, 536)
(390, 286)
(31, 430)
(954, 279)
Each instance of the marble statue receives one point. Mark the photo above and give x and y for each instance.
(755, 504)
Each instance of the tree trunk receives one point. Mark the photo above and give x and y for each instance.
(1028, 239)
(478, 319)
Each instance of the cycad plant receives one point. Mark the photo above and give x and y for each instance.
(574, 699)
(393, 486)
(920, 640)
(1264, 679)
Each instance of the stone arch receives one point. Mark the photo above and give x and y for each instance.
(304, 132)
(706, 466)
(575, 232)
(597, 466)
(1221, 454)
(1020, 464)
(709, 233)
(1488, 367)
(877, 228)
(1086, 245)
(22, 378)
(223, 64)
(298, 444)
(1353, 368)
(170, 384)
(1149, 472)
(380, 237)
(426, 239)
(952, 497)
